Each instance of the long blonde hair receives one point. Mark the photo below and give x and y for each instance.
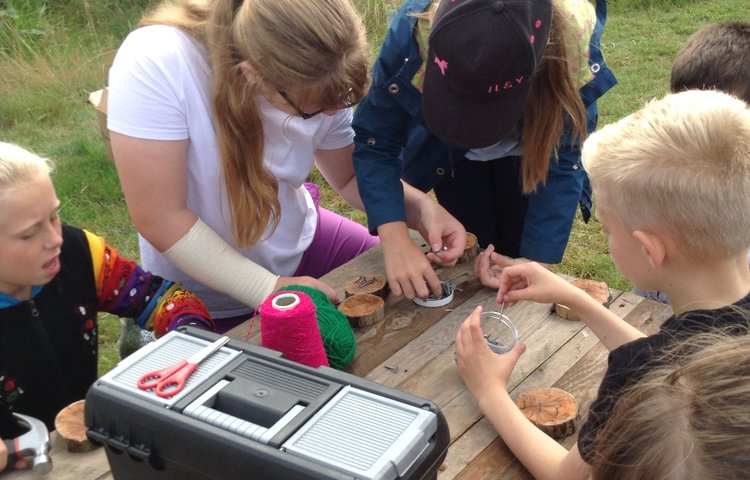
(689, 420)
(316, 47)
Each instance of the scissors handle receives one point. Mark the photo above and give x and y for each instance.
(174, 383)
(152, 379)
(169, 381)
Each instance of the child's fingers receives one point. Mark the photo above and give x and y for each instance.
(482, 268)
(517, 350)
(466, 331)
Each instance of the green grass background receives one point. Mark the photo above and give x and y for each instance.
(54, 53)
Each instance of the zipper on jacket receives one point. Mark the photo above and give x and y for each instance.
(48, 350)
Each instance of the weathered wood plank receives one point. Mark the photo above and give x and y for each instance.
(405, 321)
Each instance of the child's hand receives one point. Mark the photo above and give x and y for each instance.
(483, 371)
(531, 281)
(20, 464)
(488, 266)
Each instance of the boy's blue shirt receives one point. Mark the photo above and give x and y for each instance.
(8, 301)
(393, 142)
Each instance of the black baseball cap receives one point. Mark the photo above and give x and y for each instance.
(481, 61)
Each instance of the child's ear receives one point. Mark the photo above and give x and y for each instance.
(653, 246)
(248, 69)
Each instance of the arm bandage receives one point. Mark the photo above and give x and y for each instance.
(206, 257)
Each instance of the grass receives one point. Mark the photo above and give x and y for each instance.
(53, 54)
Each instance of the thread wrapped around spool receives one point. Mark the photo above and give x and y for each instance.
(338, 337)
(288, 324)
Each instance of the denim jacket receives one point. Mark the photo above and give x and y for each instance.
(393, 142)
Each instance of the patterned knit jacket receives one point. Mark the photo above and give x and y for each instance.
(48, 345)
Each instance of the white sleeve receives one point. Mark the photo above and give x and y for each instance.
(340, 133)
(145, 93)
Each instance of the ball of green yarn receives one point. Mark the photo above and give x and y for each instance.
(338, 337)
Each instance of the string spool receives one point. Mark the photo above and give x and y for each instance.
(288, 324)
(339, 341)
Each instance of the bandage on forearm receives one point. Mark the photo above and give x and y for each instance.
(206, 257)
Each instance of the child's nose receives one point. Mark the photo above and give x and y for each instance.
(54, 236)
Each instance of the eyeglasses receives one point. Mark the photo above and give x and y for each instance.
(302, 114)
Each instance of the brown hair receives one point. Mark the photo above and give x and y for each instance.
(553, 91)
(316, 48)
(716, 56)
(687, 420)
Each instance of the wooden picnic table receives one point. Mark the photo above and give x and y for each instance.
(412, 349)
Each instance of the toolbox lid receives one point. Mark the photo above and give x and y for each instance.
(366, 435)
(166, 351)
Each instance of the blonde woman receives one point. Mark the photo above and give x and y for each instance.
(218, 111)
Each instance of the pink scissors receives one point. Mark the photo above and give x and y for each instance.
(170, 381)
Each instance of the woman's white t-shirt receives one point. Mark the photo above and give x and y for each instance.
(159, 89)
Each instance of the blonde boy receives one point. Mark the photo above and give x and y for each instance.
(672, 185)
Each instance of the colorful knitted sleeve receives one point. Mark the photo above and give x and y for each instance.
(126, 290)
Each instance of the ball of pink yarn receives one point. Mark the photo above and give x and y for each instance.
(288, 324)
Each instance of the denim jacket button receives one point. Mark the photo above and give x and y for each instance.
(440, 171)
(393, 88)
(371, 141)
(595, 67)
(576, 167)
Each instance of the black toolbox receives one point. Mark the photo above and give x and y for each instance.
(247, 412)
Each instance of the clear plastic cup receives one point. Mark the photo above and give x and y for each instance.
(499, 331)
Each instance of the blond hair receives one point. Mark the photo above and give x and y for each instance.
(687, 420)
(19, 167)
(317, 48)
(680, 165)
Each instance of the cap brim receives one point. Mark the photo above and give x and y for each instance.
(468, 123)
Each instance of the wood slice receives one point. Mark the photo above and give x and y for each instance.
(552, 410)
(471, 250)
(363, 309)
(599, 291)
(70, 426)
(374, 284)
